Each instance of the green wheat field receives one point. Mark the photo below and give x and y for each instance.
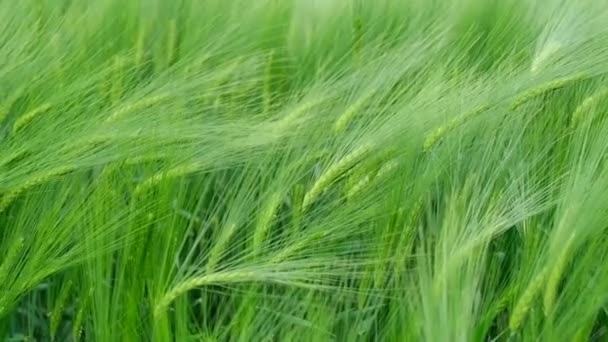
(304, 170)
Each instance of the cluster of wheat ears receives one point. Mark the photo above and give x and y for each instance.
(303, 170)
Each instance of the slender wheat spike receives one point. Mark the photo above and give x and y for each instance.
(540, 58)
(138, 105)
(213, 278)
(290, 250)
(525, 301)
(25, 119)
(588, 104)
(220, 245)
(57, 312)
(350, 112)
(266, 219)
(9, 197)
(370, 178)
(555, 275)
(438, 134)
(77, 325)
(549, 86)
(285, 122)
(359, 186)
(502, 302)
(172, 42)
(175, 172)
(333, 173)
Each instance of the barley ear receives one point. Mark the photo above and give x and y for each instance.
(522, 306)
(220, 246)
(438, 134)
(350, 112)
(554, 277)
(212, 278)
(588, 105)
(58, 308)
(137, 105)
(178, 171)
(10, 196)
(266, 218)
(25, 119)
(11, 257)
(77, 325)
(334, 172)
(549, 86)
